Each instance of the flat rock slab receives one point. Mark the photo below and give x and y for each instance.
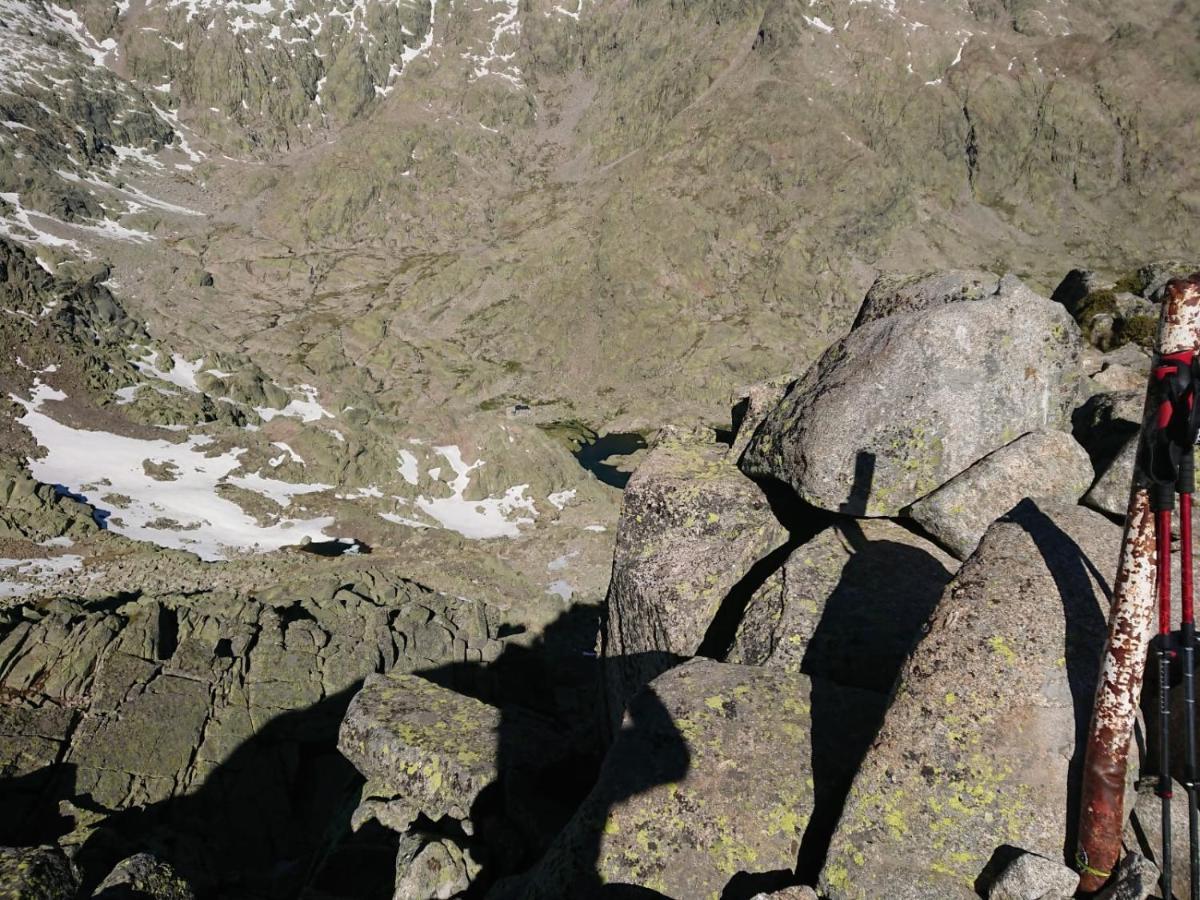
(848, 605)
(977, 749)
(428, 747)
(718, 769)
(1048, 464)
(691, 528)
(903, 404)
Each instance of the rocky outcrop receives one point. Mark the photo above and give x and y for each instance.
(1047, 464)
(1110, 493)
(711, 774)
(191, 713)
(982, 741)
(692, 529)
(847, 605)
(879, 422)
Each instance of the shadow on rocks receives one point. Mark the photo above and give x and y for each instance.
(1075, 576)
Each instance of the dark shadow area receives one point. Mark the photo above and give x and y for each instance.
(272, 820)
(99, 516)
(1003, 856)
(259, 826)
(592, 456)
(1086, 631)
(335, 548)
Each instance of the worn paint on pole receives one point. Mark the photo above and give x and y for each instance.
(1130, 627)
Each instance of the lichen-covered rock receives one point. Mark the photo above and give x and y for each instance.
(1048, 464)
(902, 404)
(436, 870)
(1033, 877)
(751, 405)
(692, 526)
(858, 591)
(711, 774)
(182, 711)
(142, 877)
(986, 726)
(803, 892)
(36, 873)
(420, 746)
(892, 294)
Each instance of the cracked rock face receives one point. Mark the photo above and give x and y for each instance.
(183, 711)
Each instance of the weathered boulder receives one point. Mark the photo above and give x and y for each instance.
(142, 877)
(718, 769)
(903, 404)
(1033, 877)
(1136, 879)
(847, 605)
(433, 870)
(1110, 493)
(691, 528)
(36, 873)
(985, 731)
(421, 747)
(1047, 464)
(803, 892)
(892, 294)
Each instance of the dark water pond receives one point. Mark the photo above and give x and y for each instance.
(594, 456)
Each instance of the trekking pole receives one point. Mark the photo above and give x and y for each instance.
(1187, 632)
(1162, 528)
(1131, 619)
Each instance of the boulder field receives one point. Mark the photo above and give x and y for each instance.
(848, 651)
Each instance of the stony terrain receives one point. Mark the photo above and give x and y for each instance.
(335, 329)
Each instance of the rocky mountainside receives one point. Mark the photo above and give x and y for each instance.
(335, 329)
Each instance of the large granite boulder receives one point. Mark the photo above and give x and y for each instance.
(692, 527)
(717, 770)
(984, 737)
(903, 404)
(847, 605)
(892, 294)
(1048, 464)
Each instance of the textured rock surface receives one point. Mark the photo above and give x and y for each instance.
(1110, 493)
(753, 404)
(847, 605)
(1136, 879)
(1033, 877)
(692, 527)
(36, 873)
(178, 712)
(142, 877)
(892, 294)
(420, 746)
(711, 774)
(1143, 831)
(436, 870)
(880, 421)
(1048, 464)
(983, 737)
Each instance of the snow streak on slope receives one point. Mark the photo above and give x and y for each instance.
(164, 492)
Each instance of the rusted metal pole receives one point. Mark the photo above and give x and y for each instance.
(1130, 627)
